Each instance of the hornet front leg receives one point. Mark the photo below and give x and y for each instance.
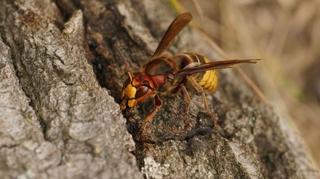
(149, 117)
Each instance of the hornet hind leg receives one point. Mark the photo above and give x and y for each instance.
(199, 89)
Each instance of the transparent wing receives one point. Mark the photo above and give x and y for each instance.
(214, 65)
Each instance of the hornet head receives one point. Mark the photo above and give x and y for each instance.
(138, 88)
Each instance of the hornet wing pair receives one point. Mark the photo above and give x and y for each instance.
(175, 27)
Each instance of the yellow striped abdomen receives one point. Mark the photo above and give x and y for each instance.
(209, 80)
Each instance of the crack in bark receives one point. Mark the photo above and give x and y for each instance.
(110, 44)
(31, 104)
(101, 60)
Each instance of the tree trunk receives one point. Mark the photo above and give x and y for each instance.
(62, 65)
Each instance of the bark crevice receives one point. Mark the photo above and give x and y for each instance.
(52, 44)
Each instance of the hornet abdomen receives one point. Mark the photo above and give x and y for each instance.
(207, 80)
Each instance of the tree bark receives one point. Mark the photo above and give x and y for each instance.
(62, 66)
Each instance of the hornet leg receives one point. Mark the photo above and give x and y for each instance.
(148, 119)
(199, 89)
(186, 96)
(184, 92)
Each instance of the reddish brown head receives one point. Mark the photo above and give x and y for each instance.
(140, 87)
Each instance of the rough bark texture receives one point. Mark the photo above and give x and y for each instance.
(62, 64)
